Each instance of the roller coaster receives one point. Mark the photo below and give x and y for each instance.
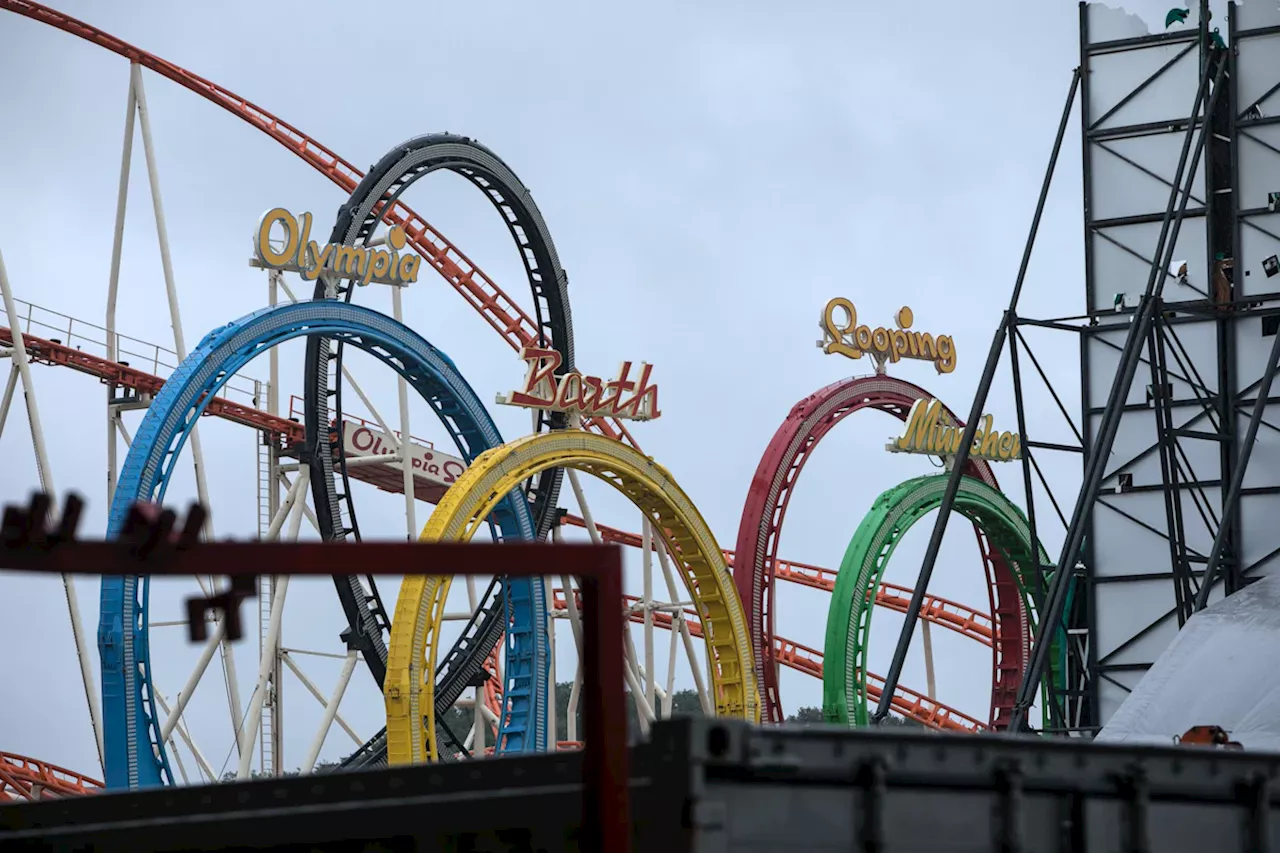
(740, 648)
(505, 651)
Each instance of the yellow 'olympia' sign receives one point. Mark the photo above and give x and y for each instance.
(851, 340)
(361, 263)
(929, 432)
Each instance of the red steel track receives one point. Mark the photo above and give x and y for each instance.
(113, 373)
(501, 312)
(515, 326)
(23, 778)
(906, 702)
(948, 614)
(942, 612)
(766, 507)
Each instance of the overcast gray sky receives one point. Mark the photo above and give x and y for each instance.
(711, 176)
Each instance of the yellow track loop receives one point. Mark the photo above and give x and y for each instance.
(415, 631)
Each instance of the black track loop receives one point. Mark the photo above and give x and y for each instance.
(368, 622)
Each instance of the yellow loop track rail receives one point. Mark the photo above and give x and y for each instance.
(415, 632)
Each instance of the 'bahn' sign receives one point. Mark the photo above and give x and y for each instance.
(929, 433)
(577, 393)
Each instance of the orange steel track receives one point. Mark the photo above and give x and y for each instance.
(515, 326)
(944, 613)
(43, 351)
(906, 702)
(24, 779)
(947, 614)
(511, 322)
(939, 611)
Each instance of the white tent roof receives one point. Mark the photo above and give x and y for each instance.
(1222, 669)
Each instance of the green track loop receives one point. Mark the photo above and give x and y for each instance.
(844, 687)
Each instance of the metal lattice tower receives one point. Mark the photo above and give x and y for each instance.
(1178, 349)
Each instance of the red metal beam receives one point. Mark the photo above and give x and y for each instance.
(952, 615)
(606, 815)
(907, 703)
(23, 778)
(42, 351)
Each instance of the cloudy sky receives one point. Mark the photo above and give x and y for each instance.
(711, 177)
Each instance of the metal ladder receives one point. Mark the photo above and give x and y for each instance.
(267, 493)
(267, 731)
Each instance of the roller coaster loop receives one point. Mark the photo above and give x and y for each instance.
(135, 754)
(378, 193)
(766, 506)
(502, 313)
(844, 684)
(415, 630)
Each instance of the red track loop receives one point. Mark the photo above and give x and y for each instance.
(766, 507)
(23, 778)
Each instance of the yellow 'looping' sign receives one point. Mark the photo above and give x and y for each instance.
(852, 340)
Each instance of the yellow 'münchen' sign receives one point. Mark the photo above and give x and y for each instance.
(851, 340)
(929, 431)
(360, 263)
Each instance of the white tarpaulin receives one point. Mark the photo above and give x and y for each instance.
(1222, 669)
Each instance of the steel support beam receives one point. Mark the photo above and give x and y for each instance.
(1007, 322)
(1232, 501)
(1130, 357)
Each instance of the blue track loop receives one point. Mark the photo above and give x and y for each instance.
(135, 757)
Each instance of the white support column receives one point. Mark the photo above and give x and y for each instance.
(549, 595)
(330, 710)
(647, 560)
(671, 670)
(254, 718)
(166, 263)
(113, 282)
(632, 677)
(124, 431)
(180, 347)
(112, 461)
(406, 442)
(188, 689)
(191, 744)
(295, 522)
(571, 713)
(593, 532)
(314, 691)
(46, 484)
(708, 706)
(930, 685)
(291, 498)
(10, 385)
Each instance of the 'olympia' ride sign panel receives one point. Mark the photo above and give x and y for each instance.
(302, 254)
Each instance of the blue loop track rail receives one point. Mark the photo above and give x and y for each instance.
(134, 755)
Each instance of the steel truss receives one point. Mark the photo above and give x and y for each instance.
(1169, 513)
